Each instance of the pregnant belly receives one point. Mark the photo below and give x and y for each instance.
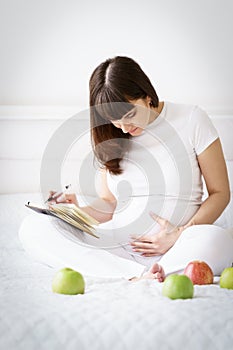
(133, 214)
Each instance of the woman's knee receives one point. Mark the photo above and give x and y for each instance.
(210, 243)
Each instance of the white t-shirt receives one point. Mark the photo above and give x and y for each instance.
(161, 171)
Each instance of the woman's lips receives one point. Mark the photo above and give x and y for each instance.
(133, 130)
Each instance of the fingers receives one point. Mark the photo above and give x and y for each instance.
(67, 198)
(145, 239)
(147, 252)
(71, 198)
(134, 236)
(141, 244)
(149, 255)
(63, 198)
(51, 193)
(144, 248)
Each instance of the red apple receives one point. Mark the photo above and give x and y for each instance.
(199, 272)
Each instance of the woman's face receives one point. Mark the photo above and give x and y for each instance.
(135, 121)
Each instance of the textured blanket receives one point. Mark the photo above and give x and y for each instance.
(112, 314)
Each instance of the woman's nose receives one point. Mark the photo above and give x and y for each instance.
(125, 128)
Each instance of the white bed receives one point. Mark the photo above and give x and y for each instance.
(113, 313)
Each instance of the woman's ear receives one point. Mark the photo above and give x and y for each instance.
(149, 101)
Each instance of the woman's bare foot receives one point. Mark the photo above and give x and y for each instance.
(156, 272)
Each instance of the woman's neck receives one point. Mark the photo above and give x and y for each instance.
(155, 112)
(160, 107)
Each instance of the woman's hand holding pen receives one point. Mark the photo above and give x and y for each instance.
(63, 198)
(158, 243)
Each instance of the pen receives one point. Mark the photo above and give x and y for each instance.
(57, 194)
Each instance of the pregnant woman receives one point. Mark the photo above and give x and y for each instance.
(152, 157)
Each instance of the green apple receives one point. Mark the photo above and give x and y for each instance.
(226, 278)
(178, 287)
(68, 281)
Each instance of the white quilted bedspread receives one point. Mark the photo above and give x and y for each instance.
(112, 314)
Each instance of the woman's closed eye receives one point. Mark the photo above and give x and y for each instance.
(131, 115)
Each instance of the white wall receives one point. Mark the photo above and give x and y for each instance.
(25, 136)
(50, 47)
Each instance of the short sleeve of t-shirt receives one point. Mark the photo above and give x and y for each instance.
(202, 130)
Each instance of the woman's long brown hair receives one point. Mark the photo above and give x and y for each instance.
(112, 84)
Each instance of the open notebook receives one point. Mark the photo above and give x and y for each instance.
(71, 214)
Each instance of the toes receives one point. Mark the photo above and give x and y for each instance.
(156, 272)
(155, 268)
(160, 276)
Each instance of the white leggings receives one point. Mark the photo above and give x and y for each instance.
(45, 243)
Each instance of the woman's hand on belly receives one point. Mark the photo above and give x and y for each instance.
(158, 243)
